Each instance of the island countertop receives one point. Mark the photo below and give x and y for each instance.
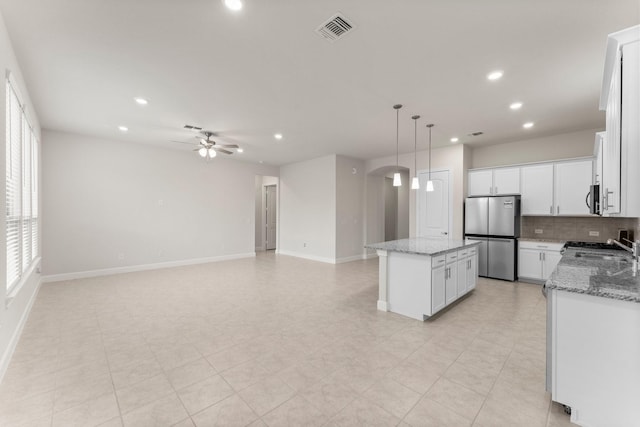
(422, 245)
(592, 275)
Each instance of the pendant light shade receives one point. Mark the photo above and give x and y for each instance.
(429, 182)
(397, 181)
(212, 153)
(415, 182)
(202, 152)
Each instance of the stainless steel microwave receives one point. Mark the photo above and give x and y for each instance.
(593, 200)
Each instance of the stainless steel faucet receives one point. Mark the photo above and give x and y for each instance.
(634, 249)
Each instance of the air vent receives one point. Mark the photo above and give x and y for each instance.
(194, 128)
(335, 27)
(476, 133)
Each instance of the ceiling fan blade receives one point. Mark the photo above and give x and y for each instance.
(221, 150)
(182, 142)
(227, 145)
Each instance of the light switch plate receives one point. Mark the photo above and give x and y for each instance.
(594, 233)
(538, 231)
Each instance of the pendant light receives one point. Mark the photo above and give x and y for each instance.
(429, 182)
(397, 181)
(415, 182)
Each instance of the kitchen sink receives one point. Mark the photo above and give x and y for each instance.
(601, 256)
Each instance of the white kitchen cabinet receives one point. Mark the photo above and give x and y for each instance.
(437, 288)
(451, 278)
(621, 147)
(537, 260)
(494, 182)
(537, 189)
(472, 272)
(480, 182)
(462, 266)
(571, 187)
(597, 152)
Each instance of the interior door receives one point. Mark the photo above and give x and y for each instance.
(270, 214)
(433, 206)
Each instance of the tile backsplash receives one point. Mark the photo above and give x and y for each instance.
(576, 228)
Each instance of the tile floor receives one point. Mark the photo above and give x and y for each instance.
(274, 341)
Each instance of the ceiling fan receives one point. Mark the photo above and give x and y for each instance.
(208, 148)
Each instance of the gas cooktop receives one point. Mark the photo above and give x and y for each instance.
(592, 245)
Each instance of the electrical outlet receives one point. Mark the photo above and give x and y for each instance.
(304, 245)
(160, 202)
(594, 233)
(538, 231)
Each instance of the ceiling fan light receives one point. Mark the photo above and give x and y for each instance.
(212, 153)
(415, 183)
(430, 186)
(203, 152)
(397, 181)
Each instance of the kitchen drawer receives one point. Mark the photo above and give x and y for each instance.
(463, 253)
(452, 257)
(473, 251)
(437, 261)
(544, 246)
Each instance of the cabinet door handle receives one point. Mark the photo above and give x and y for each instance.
(490, 190)
(558, 210)
(544, 256)
(496, 190)
(539, 256)
(550, 210)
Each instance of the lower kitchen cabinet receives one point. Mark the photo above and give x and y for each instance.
(537, 260)
(438, 299)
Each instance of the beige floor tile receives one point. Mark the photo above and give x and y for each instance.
(190, 373)
(30, 409)
(184, 423)
(267, 394)
(245, 374)
(114, 422)
(147, 391)
(164, 412)
(175, 357)
(500, 414)
(90, 413)
(362, 412)
(473, 377)
(392, 396)
(295, 412)
(128, 375)
(416, 378)
(428, 413)
(232, 411)
(330, 396)
(74, 394)
(205, 393)
(460, 399)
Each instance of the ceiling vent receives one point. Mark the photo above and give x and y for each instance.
(335, 28)
(194, 128)
(476, 133)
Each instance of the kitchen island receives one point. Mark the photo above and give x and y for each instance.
(420, 276)
(593, 337)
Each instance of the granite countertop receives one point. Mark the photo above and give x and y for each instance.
(422, 245)
(591, 275)
(533, 239)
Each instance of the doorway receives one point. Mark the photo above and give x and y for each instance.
(266, 213)
(433, 208)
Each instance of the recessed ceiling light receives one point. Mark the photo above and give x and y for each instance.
(495, 75)
(528, 125)
(454, 139)
(516, 106)
(278, 136)
(141, 101)
(234, 5)
(123, 128)
(240, 150)
(260, 161)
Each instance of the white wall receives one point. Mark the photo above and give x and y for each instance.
(308, 209)
(103, 200)
(561, 146)
(14, 308)
(349, 208)
(450, 157)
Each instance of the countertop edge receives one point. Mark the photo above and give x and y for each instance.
(592, 293)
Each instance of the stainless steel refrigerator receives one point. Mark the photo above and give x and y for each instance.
(495, 223)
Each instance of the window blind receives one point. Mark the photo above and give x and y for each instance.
(21, 189)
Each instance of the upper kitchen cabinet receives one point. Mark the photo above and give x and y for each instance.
(620, 97)
(494, 182)
(572, 181)
(597, 152)
(537, 189)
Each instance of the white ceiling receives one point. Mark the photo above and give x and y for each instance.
(264, 70)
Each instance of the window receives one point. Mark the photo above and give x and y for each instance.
(22, 189)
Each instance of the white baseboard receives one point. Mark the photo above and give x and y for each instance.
(143, 267)
(259, 249)
(5, 358)
(383, 305)
(349, 259)
(306, 256)
(370, 256)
